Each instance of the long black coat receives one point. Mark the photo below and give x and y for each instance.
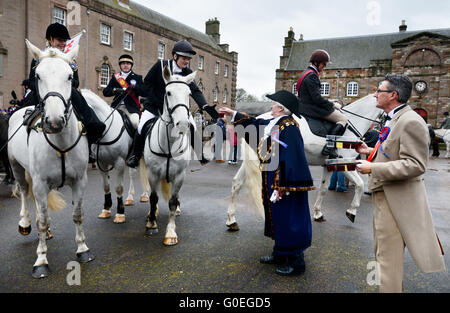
(156, 88)
(311, 102)
(138, 90)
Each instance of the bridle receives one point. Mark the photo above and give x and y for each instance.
(379, 120)
(170, 111)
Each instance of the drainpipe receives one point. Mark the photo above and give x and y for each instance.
(86, 70)
(25, 65)
(338, 75)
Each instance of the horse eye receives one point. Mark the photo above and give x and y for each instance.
(169, 93)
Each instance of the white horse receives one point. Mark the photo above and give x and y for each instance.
(444, 134)
(249, 172)
(111, 152)
(54, 154)
(167, 152)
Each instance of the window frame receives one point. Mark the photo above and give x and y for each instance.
(109, 43)
(225, 70)
(216, 94)
(64, 18)
(201, 62)
(217, 68)
(325, 86)
(225, 96)
(352, 91)
(127, 32)
(294, 89)
(163, 45)
(102, 77)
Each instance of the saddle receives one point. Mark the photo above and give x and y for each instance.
(319, 127)
(127, 123)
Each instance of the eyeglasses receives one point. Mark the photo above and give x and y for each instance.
(379, 90)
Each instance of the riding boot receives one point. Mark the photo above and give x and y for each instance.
(337, 130)
(196, 138)
(139, 143)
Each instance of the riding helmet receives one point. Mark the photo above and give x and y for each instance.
(184, 48)
(126, 58)
(57, 30)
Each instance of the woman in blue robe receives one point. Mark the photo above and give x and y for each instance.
(285, 181)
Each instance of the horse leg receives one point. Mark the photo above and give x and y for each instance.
(171, 237)
(447, 155)
(22, 187)
(236, 185)
(120, 216)
(130, 198)
(106, 211)
(83, 253)
(318, 215)
(40, 267)
(359, 189)
(144, 182)
(151, 228)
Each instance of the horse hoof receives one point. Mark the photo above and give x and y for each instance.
(40, 271)
(320, 219)
(85, 257)
(178, 212)
(144, 199)
(351, 216)
(49, 235)
(105, 214)
(119, 219)
(24, 230)
(170, 241)
(151, 232)
(129, 202)
(233, 227)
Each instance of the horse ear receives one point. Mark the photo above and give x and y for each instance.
(166, 74)
(35, 51)
(191, 77)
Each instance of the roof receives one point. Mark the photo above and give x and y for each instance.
(254, 108)
(352, 52)
(163, 21)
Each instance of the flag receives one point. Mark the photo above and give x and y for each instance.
(72, 43)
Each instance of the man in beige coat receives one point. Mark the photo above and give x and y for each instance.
(396, 168)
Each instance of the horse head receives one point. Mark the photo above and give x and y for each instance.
(53, 85)
(176, 102)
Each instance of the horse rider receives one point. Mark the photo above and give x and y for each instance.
(313, 104)
(57, 35)
(126, 87)
(182, 53)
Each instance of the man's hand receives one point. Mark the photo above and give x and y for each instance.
(364, 167)
(118, 91)
(226, 111)
(363, 149)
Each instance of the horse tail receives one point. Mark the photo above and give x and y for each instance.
(143, 176)
(55, 199)
(165, 189)
(253, 180)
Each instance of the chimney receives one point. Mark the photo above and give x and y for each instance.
(212, 29)
(402, 28)
(290, 38)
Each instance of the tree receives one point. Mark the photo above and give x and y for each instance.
(243, 96)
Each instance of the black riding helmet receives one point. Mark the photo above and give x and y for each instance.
(126, 58)
(184, 48)
(57, 30)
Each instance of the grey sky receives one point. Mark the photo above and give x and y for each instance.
(256, 28)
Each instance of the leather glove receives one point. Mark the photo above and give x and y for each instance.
(211, 111)
(13, 102)
(118, 91)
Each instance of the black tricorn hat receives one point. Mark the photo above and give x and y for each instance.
(287, 99)
(126, 58)
(57, 30)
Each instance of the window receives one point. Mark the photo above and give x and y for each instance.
(201, 60)
(216, 94)
(200, 86)
(105, 34)
(324, 89)
(59, 16)
(104, 75)
(225, 95)
(352, 89)
(128, 41)
(294, 88)
(225, 71)
(216, 71)
(161, 50)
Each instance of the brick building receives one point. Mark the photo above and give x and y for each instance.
(112, 28)
(360, 63)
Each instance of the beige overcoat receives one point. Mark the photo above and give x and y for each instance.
(399, 171)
